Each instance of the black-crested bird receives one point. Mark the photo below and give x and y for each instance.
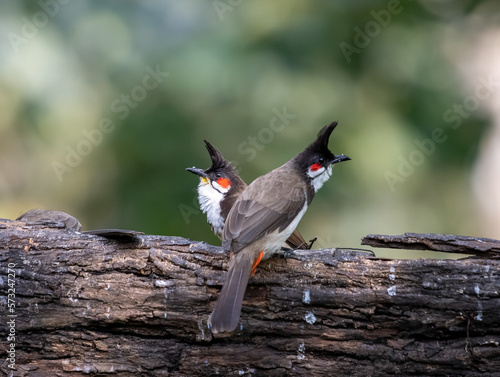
(220, 185)
(264, 216)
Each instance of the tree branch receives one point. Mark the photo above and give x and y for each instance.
(480, 247)
(91, 305)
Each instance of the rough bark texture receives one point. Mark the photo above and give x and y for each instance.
(479, 247)
(86, 305)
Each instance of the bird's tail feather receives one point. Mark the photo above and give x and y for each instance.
(226, 314)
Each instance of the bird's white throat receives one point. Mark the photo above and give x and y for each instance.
(320, 176)
(209, 199)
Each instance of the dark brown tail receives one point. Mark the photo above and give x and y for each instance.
(296, 241)
(226, 314)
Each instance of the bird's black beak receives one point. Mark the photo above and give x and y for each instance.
(339, 158)
(197, 171)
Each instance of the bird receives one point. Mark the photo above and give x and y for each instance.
(219, 187)
(264, 216)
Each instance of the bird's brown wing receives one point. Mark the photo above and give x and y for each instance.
(269, 203)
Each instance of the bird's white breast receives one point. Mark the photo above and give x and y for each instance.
(275, 240)
(209, 199)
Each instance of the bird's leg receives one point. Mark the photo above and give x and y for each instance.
(256, 262)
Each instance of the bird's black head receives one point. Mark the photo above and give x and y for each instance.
(221, 175)
(316, 160)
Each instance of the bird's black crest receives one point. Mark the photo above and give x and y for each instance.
(324, 135)
(321, 142)
(218, 161)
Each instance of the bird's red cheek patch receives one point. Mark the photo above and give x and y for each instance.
(315, 167)
(224, 182)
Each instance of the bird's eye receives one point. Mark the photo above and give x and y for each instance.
(218, 175)
(321, 161)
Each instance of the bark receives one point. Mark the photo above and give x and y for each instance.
(479, 247)
(87, 305)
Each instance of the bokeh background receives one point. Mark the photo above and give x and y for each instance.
(105, 103)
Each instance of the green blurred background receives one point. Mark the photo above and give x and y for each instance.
(388, 71)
